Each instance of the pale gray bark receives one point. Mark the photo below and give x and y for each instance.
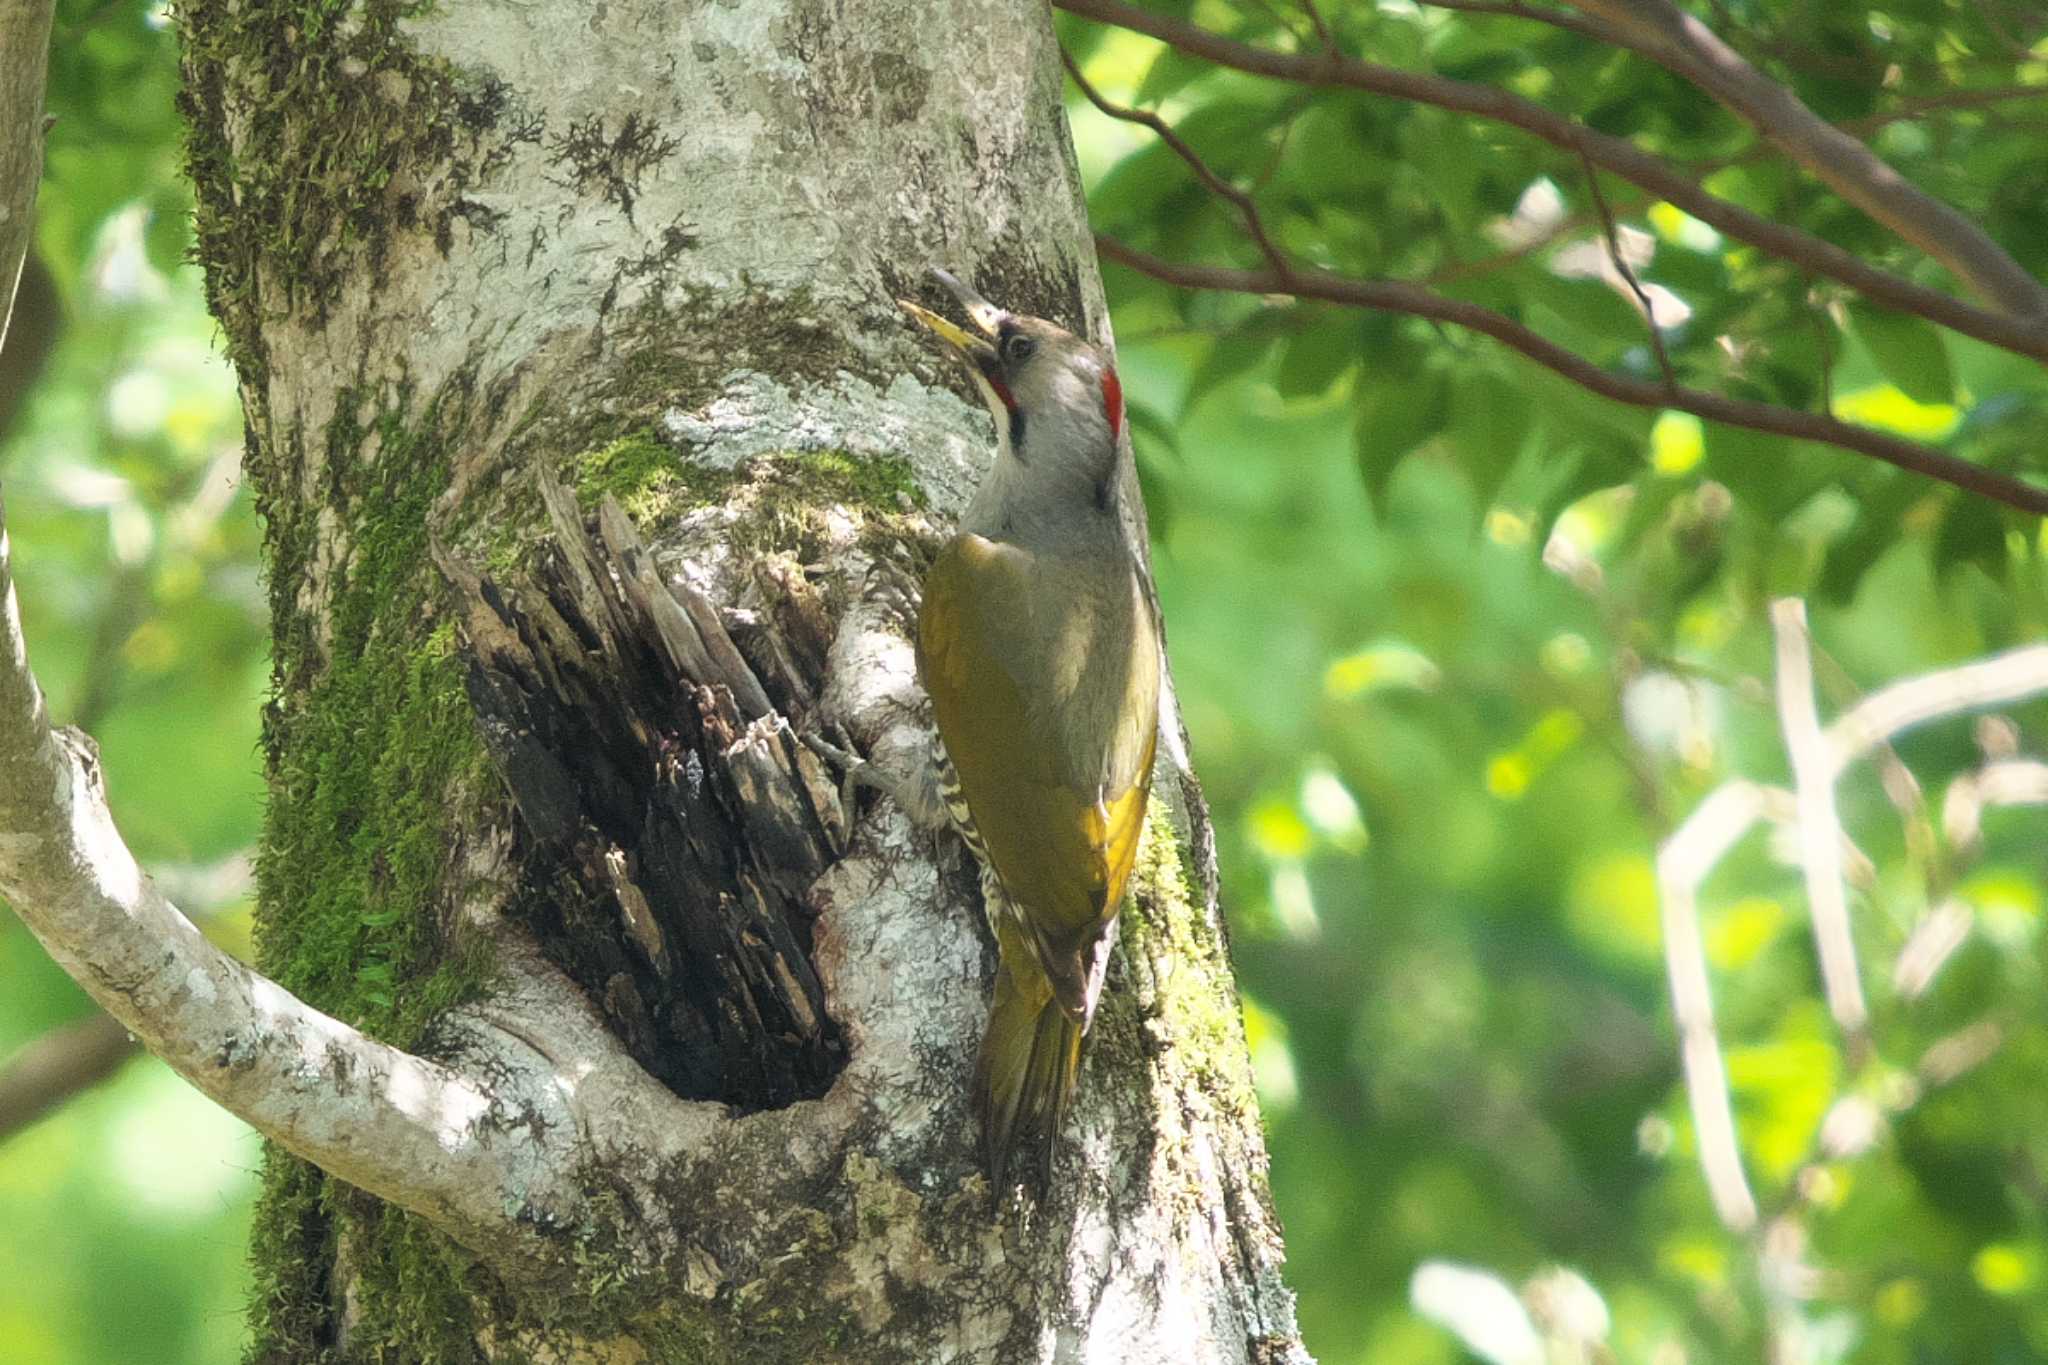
(557, 224)
(24, 66)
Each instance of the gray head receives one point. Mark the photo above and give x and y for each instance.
(1056, 400)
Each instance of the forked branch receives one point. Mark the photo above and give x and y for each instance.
(1718, 823)
(1398, 297)
(2025, 334)
(1664, 33)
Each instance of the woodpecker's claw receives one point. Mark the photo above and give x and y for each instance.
(854, 772)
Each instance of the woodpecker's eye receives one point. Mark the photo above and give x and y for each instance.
(1017, 348)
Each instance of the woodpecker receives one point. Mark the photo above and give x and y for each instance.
(1038, 644)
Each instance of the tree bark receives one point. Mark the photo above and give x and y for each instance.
(594, 459)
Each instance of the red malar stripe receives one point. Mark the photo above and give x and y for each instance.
(1113, 402)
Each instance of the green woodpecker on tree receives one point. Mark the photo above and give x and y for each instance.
(1038, 643)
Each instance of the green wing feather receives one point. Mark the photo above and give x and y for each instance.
(1062, 851)
(1061, 847)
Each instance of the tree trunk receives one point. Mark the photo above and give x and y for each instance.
(594, 458)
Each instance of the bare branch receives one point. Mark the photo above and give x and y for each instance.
(57, 1066)
(1996, 681)
(1729, 812)
(2025, 336)
(1216, 184)
(1933, 941)
(24, 65)
(1682, 864)
(1906, 112)
(1515, 9)
(1820, 827)
(1399, 297)
(415, 1132)
(1627, 273)
(1664, 33)
(2003, 782)
(1950, 1058)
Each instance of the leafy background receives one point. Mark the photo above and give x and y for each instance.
(1457, 645)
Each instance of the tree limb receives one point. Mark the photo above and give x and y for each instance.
(1820, 826)
(415, 1132)
(1515, 9)
(1678, 41)
(1400, 297)
(2025, 336)
(58, 1065)
(24, 66)
(1729, 812)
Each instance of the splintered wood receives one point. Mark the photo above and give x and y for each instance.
(672, 820)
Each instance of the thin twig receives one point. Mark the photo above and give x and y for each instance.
(1400, 297)
(1628, 274)
(1824, 338)
(1217, 185)
(1617, 155)
(1678, 41)
(1322, 27)
(1820, 827)
(1513, 9)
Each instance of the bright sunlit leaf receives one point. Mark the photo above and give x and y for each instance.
(1887, 409)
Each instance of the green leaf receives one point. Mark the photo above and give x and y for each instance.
(1973, 532)
(1908, 351)
(1880, 505)
(1769, 475)
(168, 235)
(1394, 417)
(1490, 422)
(1171, 70)
(1317, 356)
(1242, 349)
(1589, 316)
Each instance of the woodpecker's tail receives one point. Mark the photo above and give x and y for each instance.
(1024, 1078)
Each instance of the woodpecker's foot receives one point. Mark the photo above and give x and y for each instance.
(854, 771)
(896, 589)
(917, 794)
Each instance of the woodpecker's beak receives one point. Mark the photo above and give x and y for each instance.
(979, 354)
(986, 315)
(969, 346)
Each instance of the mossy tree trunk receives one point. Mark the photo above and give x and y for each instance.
(469, 257)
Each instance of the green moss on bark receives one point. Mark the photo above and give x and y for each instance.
(375, 772)
(291, 1255)
(331, 107)
(416, 1294)
(1192, 1006)
(650, 480)
(374, 760)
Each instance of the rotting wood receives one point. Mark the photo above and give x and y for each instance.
(671, 820)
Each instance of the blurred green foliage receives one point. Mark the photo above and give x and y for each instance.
(125, 1214)
(1457, 645)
